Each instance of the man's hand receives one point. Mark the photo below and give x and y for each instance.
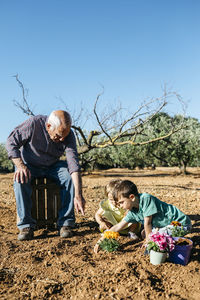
(79, 201)
(22, 173)
(79, 204)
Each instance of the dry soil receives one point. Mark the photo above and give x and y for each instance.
(49, 267)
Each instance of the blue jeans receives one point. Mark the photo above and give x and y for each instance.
(57, 172)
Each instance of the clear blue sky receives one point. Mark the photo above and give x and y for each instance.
(69, 48)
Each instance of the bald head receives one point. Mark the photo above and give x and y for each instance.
(64, 117)
(58, 125)
(60, 118)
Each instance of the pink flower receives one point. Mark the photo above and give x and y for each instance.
(163, 242)
(163, 246)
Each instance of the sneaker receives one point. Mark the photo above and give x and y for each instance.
(26, 234)
(133, 236)
(66, 232)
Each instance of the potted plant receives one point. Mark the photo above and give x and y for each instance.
(159, 244)
(177, 229)
(109, 242)
(181, 252)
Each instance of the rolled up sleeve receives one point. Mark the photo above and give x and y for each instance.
(17, 138)
(72, 154)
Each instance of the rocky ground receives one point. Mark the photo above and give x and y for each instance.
(49, 267)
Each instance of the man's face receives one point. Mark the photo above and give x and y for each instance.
(126, 203)
(58, 134)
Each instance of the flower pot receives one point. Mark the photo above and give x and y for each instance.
(181, 253)
(157, 258)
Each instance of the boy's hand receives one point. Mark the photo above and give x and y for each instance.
(96, 248)
(103, 226)
(144, 243)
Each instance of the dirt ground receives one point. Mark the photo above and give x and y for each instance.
(49, 267)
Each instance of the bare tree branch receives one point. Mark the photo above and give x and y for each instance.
(25, 106)
(97, 117)
(115, 127)
(131, 142)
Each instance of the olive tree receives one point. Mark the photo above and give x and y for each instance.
(180, 149)
(5, 164)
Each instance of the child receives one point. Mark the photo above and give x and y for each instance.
(108, 214)
(145, 209)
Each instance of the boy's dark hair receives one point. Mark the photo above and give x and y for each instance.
(125, 188)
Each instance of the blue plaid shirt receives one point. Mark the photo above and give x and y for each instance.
(31, 142)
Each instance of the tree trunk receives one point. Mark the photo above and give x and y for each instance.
(182, 167)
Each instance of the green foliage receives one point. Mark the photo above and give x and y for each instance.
(178, 231)
(6, 165)
(109, 245)
(153, 246)
(181, 149)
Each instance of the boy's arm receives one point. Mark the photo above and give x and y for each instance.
(118, 227)
(98, 216)
(147, 226)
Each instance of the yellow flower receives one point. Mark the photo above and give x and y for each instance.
(111, 235)
(175, 223)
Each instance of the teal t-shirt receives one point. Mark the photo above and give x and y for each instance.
(162, 213)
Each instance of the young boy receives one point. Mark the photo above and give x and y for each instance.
(109, 214)
(145, 209)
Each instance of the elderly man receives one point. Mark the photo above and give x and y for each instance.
(35, 147)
